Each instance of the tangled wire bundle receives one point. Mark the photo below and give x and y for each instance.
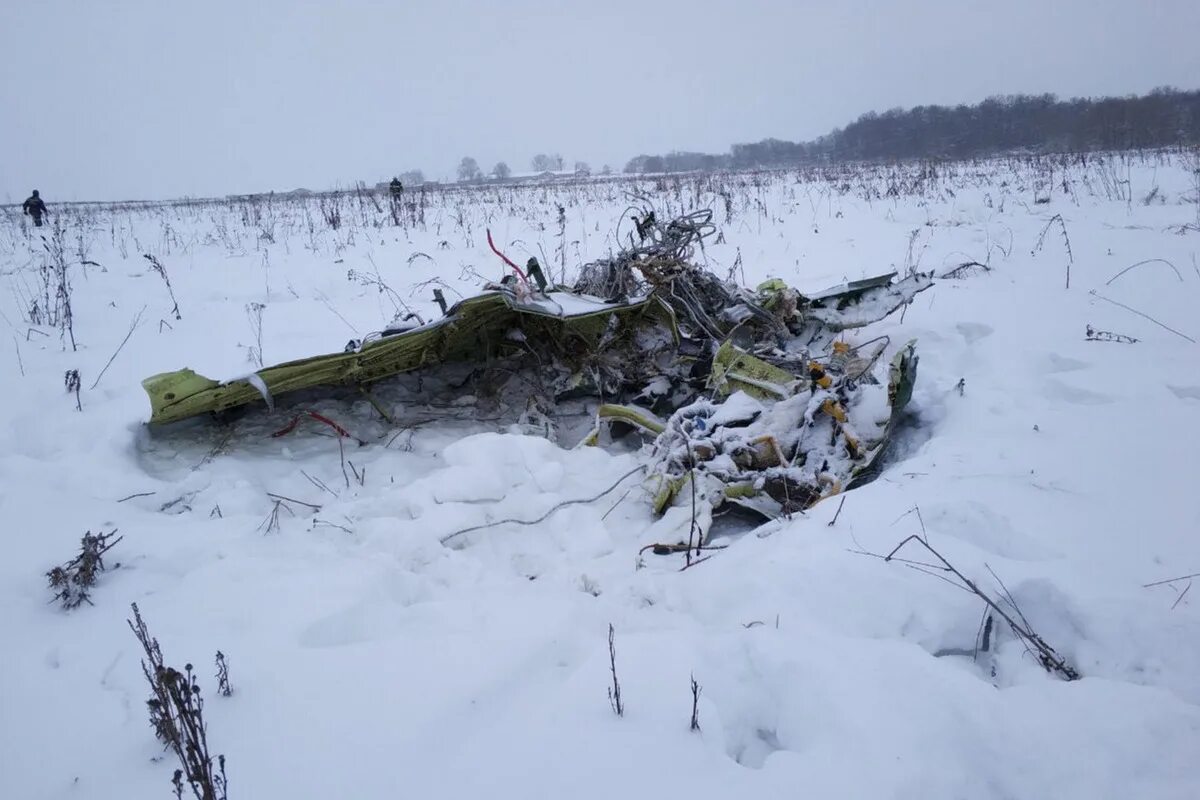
(661, 249)
(658, 259)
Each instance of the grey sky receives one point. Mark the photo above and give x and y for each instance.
(112, 99)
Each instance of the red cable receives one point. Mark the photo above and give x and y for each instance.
(291, 426)
(505, 258)
(322, 418)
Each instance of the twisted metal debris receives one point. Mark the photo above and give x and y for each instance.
(753, 397)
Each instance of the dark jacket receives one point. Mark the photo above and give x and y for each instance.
(34, 206)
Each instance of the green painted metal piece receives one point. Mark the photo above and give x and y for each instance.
(633, 415)
(665, 490)
(475, 329)
(734, 370)
(902, 376)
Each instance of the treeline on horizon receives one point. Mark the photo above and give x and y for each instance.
(1165, 117)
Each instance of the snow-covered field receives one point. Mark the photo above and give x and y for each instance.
(370, 661)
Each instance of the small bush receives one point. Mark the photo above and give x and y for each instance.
(177, 716)
(72, 582)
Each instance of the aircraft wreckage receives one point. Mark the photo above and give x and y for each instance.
(742, 397)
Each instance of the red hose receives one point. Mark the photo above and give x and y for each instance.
(291, 426)
(505, 258)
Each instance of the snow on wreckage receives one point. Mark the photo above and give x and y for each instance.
(748, 398)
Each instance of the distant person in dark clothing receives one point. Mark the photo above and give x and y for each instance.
(396, 193)
(35, 208)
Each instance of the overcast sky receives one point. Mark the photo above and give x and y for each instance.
(104, 99)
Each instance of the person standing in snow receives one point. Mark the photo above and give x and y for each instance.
(35, 207)
(396, 190)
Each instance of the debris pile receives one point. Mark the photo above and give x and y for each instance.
(771, 442)
(744, 397)
(765, 406)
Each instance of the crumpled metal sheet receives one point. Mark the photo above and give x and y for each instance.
(749, 397)
(475, 329)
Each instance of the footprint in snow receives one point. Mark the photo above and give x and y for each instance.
(340, 629)
(1054, 363)
(974, 331)
(1057, 390)
(987, 529)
